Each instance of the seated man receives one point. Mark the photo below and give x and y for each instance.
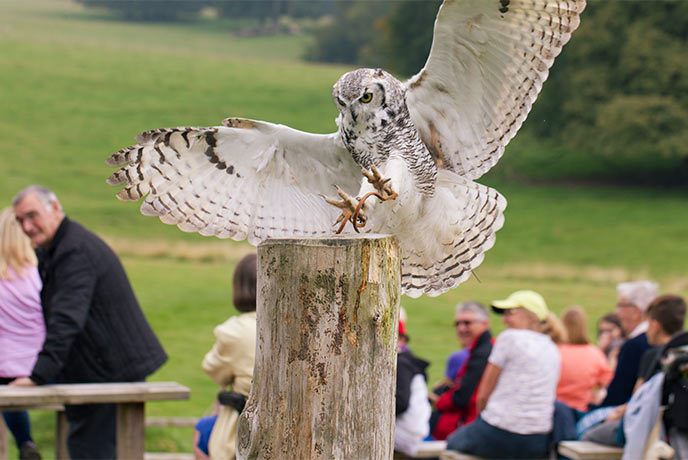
(666, 315)
(457, 358)
(632, 301)
(457, 406)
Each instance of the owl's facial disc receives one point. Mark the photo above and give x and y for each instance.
(353, 85)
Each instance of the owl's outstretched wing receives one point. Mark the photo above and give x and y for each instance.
(247, 179)
(487, 64)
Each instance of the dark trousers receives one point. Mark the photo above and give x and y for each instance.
(17, 421)
(484, 440)
(92, 431)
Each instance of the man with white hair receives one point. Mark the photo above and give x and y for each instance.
(95, 329)
(633, 299)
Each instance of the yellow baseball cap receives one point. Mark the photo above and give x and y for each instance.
(530, 300)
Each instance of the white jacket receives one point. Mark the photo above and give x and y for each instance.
(413, 425)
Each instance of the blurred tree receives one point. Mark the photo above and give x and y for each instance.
(263, 10)
(146, 10)
(310, 8)
(270, 10)
(395, 35)
(353, 35)
(408, 35)
(620, 89)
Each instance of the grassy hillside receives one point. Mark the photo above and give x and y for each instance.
(76, 86)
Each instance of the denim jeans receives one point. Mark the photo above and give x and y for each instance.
(484, 440)
(18, 423)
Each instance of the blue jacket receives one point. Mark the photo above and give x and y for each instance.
(620, 389)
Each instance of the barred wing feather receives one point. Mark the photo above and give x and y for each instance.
(487, 64)
(245, 180)
(462, 217)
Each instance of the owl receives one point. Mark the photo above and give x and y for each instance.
(403, 160)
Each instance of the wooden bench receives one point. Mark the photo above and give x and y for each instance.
(130, 399)
(430, 449)
(61, 425)
(655, 447)
(427, 449)
(454, 455)
(586, 450)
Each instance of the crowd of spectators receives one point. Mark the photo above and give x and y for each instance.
(542, 380)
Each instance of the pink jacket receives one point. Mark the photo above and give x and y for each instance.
(22, 329)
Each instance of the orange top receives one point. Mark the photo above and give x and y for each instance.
(583, 367)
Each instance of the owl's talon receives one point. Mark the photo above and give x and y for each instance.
(380, 183)
(358, 214)
(384, 192)
(349, 206)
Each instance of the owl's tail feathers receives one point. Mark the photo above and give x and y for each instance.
(458, 225)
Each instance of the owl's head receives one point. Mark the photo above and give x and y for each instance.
(368, 99)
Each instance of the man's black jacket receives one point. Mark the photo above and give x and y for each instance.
(95, 329)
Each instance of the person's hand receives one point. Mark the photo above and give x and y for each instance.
(433, 398)
(22, 382)
(216, 407)
(604, 340)
(598, 395)
(617, 413)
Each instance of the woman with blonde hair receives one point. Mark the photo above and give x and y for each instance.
(22, 328)
(585, 372)
(554, 328)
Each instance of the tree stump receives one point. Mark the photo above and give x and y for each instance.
(325, 371)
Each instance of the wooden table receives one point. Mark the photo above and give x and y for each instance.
(130, 399)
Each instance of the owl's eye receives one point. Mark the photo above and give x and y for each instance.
(340, 102)
(367, 97)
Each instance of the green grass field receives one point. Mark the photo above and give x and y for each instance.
(76, 86)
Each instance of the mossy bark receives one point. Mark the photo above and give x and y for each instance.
(324, 379)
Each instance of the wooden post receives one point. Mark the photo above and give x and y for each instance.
(3, 439)
(62, 430)
(325, 372)
(131, 427)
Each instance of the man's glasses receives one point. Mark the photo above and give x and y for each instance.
(463, 323)
(30, 216)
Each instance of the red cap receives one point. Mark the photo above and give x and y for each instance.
(402, 328)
